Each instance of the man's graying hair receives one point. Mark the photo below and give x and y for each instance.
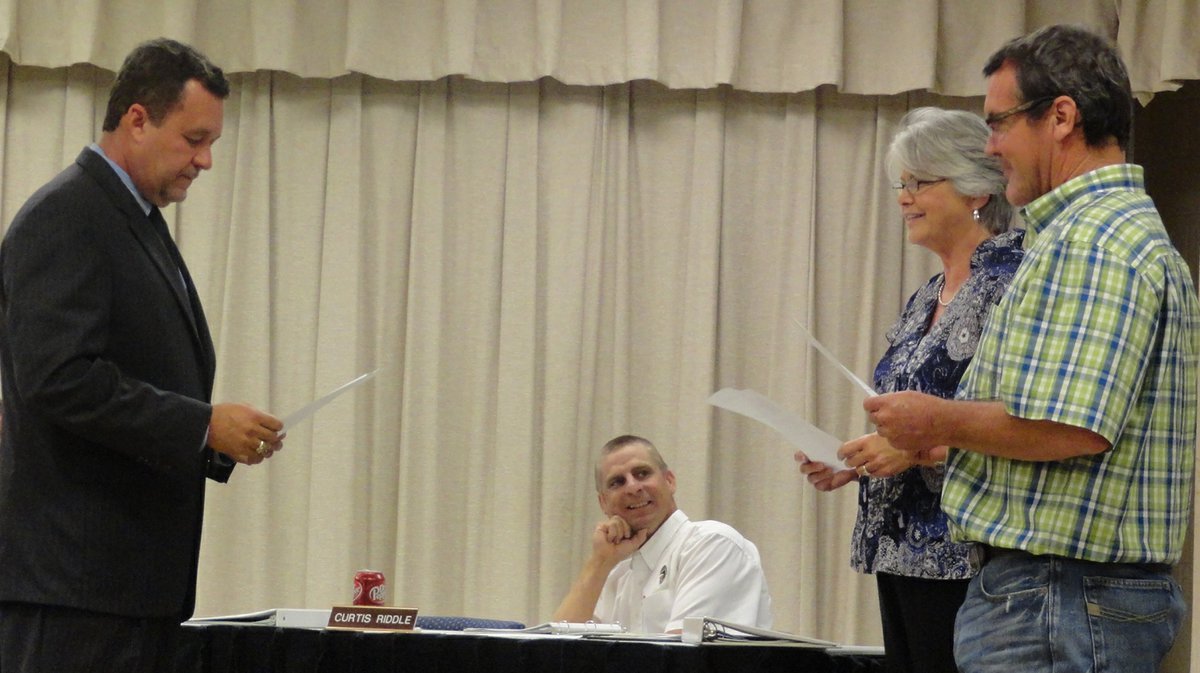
(1072, 61)
(154, 74)
(618, 443)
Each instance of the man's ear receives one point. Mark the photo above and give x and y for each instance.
(136, 118)
(1065, 117)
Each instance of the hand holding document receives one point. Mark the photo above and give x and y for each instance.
(817, 444)
(304, 412)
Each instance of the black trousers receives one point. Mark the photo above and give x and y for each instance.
(49, 639)
(918, 622)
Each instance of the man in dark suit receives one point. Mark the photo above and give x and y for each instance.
(108, 368)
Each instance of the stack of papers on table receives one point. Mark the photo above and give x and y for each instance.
(285, 617)
(719, 631)
(564, 628)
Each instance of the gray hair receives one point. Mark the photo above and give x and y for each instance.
(937, 143)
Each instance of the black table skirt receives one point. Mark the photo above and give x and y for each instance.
(226, 648)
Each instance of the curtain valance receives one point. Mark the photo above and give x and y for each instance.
(858, 46)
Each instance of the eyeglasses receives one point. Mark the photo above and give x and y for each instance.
(993, 120)
(913, 185)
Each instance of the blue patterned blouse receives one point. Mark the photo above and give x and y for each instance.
(901, 529)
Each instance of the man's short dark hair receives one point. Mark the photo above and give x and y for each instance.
(1072, 61)
(154, 74)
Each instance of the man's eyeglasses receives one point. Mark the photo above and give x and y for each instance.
(913, 185)
(993, 119)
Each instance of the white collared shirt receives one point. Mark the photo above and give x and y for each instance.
(687, 569)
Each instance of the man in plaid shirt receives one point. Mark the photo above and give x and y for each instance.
(1074, 431)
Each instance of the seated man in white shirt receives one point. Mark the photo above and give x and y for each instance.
(651, 566)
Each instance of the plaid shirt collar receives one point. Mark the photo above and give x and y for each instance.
(1044, 210)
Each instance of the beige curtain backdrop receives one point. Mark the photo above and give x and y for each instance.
(534, 264)
(860, 46)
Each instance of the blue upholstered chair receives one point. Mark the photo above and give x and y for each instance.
(434, 623)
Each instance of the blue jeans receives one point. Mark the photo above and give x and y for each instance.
(1050, 614)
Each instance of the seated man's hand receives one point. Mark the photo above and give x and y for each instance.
(614, 540)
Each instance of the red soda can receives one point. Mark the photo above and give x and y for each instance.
(370, 587)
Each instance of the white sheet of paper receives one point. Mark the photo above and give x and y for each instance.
(817, 444)
(304, 412)
(841, 367)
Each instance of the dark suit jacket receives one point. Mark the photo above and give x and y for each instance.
(107, 380)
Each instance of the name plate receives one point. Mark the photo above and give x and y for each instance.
(372, 618)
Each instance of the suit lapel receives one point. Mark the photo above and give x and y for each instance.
(159, 249)
(199, 322)
(175, 270)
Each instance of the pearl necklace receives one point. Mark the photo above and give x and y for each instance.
(941, 287)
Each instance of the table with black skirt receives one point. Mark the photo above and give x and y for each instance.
(253, 648)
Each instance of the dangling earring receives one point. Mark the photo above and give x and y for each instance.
(975, 214)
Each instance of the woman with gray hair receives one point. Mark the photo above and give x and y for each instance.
(951, 197)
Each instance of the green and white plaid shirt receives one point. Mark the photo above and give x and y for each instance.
(1100, 329)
